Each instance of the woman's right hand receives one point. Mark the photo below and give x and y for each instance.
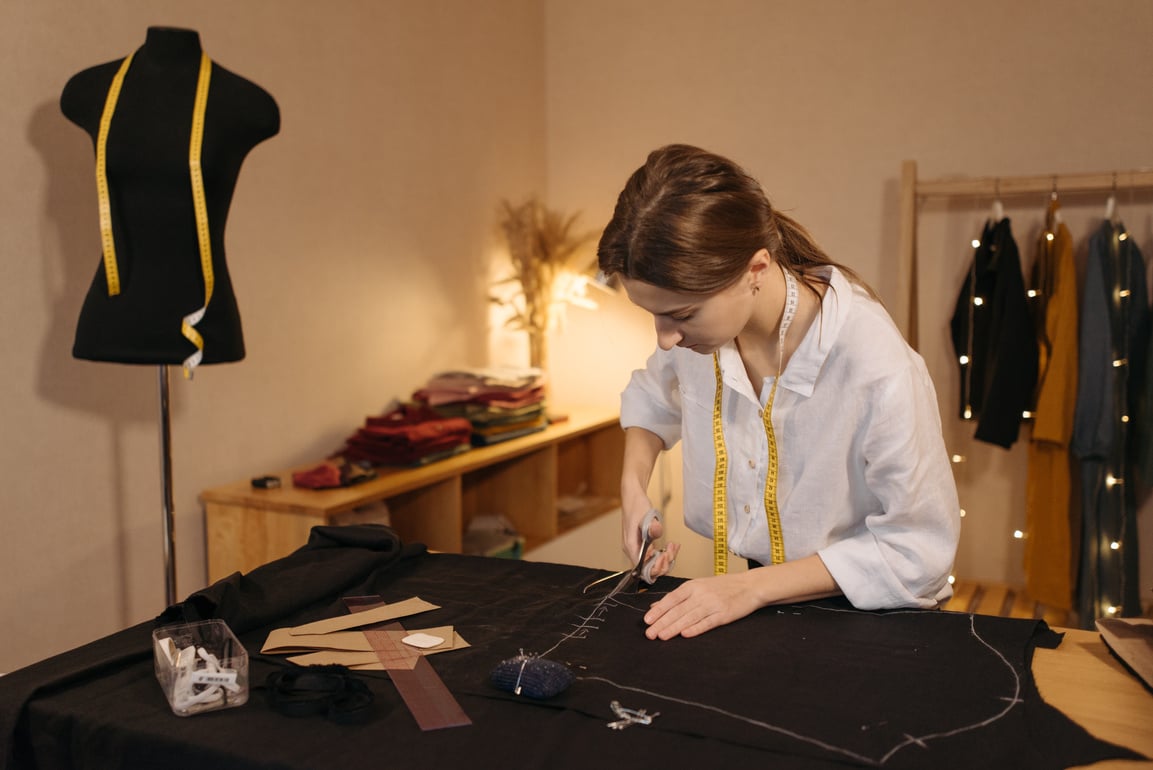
(641, 450)
(660, 561)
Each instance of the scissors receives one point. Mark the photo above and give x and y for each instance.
(641, 571)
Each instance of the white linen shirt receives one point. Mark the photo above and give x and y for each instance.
(864, 480)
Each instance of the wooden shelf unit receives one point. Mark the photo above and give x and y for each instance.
(522, 479)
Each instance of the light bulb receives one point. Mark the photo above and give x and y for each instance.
(1027, 415)
(1018, 534)
(962, 513)
(964, 360)
(1111, 610)
(976, 243)
(1115, 545)
(952, 579)
(1031, 293)
(978, 301)
(1048, 236)
(1123, 237)
(968, 415)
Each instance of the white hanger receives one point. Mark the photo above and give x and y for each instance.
(998, 209)
(1057, 217)
(1111, 202)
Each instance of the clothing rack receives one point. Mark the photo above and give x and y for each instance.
(914, 189)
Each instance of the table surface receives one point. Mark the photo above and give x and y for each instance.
(1089, 685)
(90, 706)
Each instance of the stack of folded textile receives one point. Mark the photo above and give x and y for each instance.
(500, 404)
(408, 434)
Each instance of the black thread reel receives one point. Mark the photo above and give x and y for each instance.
(532, 676)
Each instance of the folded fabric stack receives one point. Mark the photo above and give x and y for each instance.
(499, 404)
(408, 434)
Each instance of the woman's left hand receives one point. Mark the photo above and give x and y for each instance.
(702, 604)
(705, 603)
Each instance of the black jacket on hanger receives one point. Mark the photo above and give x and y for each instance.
(997, 336)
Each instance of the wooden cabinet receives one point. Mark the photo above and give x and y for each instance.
(545, 484)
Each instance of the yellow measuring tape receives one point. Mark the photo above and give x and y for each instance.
(199, 204)
(203, 236)
(107, 242)
(720, 473)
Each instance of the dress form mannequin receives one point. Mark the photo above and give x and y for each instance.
(153, 220)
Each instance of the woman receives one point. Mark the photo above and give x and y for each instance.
(845, 488)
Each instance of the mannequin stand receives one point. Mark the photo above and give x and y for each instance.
(166, 489)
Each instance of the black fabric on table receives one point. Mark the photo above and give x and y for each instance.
(812, 686)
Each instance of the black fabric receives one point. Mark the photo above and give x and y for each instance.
(812, 686)
(998, 382)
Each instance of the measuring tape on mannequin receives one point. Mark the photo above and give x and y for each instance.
(199, 203)
(720, 473)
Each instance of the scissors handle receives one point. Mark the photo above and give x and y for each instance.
(643, 570)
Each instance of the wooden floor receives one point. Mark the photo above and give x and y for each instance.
(1004, 601)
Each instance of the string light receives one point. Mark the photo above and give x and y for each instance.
(1112, 610)
(1124, 418)
(1049, 236)
(1112, 481)
(958, 458)
(968, 413)
(1018, 534)
(976, 243)
(978, 301)
(1119, 362)
(962, 513)
(952, 579)
(1124, 293)
(1031, 294)
(1027, 415)
(964, 360)
(1123, 237)
(1115, 546)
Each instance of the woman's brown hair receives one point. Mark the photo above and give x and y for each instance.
(689, 221)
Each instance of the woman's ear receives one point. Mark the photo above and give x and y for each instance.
(759, 265)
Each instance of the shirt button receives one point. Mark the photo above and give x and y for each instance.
(752, 463)
(747, 509)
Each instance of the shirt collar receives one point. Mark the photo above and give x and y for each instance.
(805, 365)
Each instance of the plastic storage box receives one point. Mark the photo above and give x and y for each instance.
(200, 666)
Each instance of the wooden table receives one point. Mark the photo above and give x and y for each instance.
(1083, 679)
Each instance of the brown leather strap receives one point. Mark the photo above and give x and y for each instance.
(421, 688)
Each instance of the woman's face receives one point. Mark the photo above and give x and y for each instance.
(702, 323)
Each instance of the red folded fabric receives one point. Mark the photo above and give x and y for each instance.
(407, 435)
(322, 476)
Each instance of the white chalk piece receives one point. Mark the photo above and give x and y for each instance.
(423, 641)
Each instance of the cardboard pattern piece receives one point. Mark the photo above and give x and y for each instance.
(337, 640)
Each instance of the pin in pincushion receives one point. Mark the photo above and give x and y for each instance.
(531, 676)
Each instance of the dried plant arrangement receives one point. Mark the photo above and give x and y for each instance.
(541, 244)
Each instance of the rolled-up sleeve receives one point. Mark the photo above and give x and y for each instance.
(902, 555)
(652, 401)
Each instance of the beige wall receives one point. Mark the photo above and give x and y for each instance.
(359, 243)
(823, 100)
(361, 237)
